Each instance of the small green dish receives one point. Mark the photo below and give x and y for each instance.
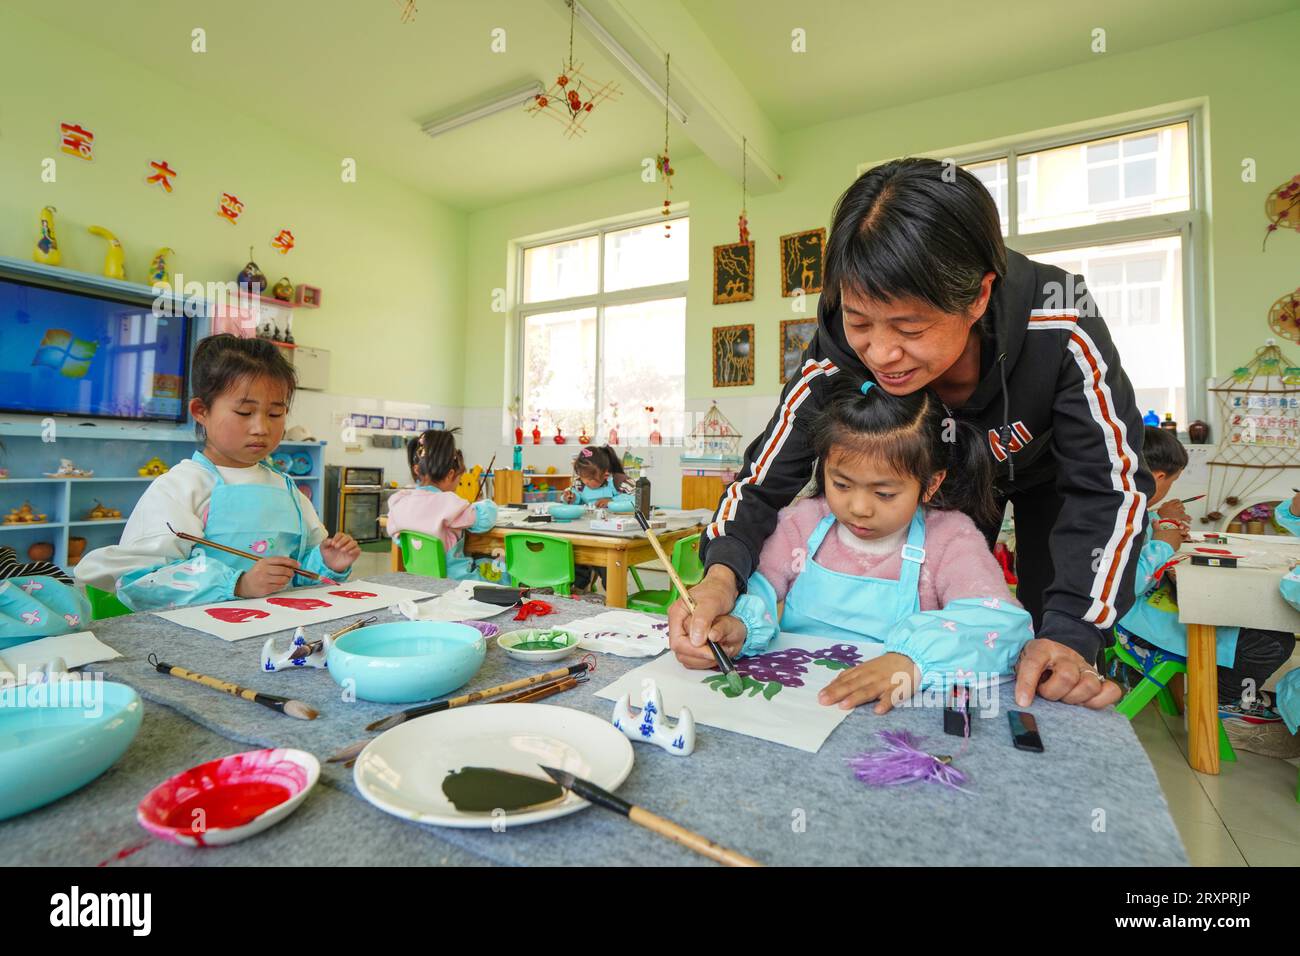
(538, 644)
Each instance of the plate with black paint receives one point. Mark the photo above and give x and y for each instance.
(404, 770)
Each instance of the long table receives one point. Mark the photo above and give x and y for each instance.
(1090, 798)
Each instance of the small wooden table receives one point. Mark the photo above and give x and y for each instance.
(1243, 596)
(616, 552)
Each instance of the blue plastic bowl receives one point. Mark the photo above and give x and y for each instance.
(56, 738)
(407, 661)
(622, 507)
(567, 512)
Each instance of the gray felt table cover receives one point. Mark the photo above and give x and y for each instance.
(1091, 798)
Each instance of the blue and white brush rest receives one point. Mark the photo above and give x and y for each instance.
(649, 726)
(271, 661)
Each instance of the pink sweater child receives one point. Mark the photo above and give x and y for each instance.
(958, 563)
(444, 515)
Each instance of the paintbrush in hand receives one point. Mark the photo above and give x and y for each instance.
(724, 662)
(291, 708)
(244, 554)
(644, 818)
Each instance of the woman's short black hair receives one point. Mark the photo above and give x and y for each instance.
(915, 436)
(222, 361)
(433, 453)
(915, 228)
(1162, 451)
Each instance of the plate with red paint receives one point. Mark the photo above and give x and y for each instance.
(227, 800)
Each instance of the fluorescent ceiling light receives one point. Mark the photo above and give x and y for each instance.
(466, 115)
(616, 50)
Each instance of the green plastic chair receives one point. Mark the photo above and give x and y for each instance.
(538, 561)
(1155, 683)
(104, 604)
(687, 564)
(422, 554)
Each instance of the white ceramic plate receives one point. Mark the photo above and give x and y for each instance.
(402, 770)
(508, 641)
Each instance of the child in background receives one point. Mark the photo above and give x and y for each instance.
(599, 480)
(433, 508)
(226, 493)
(1246, 657)
(880, 553)
(1286, 698)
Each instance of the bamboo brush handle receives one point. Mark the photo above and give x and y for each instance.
(672, 572)
(237, 553)
(689, 839)
(224, 686)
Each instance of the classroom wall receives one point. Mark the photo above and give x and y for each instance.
(391, 261)
(1241, 74)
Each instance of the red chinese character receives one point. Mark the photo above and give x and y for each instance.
(77, 141)
(162, 174)
(283, 242)
(230, 208)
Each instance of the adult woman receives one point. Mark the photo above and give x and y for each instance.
(921, 292)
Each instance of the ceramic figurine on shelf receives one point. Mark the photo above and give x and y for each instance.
(25, 515)
(655, 437)
(67, 469)
(267, 331)
(251, 279)
(40, 551)
(559, 435)
(47, 246)
(101, 512)
(537, 434)
(115, 259)
(152, 468)
(288, 334)
(583, 437)
(4, 473)
(283, 290)
(159, 271)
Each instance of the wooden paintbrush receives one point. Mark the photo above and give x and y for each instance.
(482, 479)
(245, 554)
(348, 755)
(291, 708)
(447, 703)
(644, 818)
(724, 662)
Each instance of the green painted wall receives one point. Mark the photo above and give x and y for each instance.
(1241, 74)
(390, 260)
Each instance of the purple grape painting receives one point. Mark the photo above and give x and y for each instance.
(767, 674)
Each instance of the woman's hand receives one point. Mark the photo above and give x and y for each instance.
(714, 597)
(1064, 676)
(888, 679)
(339, 552)
(728, 632)
(1174, 510)
(265, 577)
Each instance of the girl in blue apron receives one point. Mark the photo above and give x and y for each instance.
(434, 509)
(227, 493)
(599, 480)
(888, 468)
(1246, 657)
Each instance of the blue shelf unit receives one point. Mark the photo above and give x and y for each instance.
(113, 450)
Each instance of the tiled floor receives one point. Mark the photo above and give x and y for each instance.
(1246, 816)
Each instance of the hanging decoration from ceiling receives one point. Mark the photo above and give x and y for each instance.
(663, 163)
(574, 94)
(744, 189)
(1283, 208)
(409, 10)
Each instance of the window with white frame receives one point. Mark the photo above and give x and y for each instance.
(1119, 208)
(602, 321)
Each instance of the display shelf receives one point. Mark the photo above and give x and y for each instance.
(96, 521)
(29, 526)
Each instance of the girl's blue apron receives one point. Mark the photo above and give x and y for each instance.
(253, 517)
(849, 607)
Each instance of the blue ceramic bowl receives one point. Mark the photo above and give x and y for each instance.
(56, 738)
(407, 661)
(621, 507)
(567, 512)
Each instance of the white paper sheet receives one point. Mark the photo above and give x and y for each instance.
(779, 702)
(77, 650)
(257, 617)
(457, 604)
(624, 633)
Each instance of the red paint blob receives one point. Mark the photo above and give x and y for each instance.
(298, 604)
(228, 806)
(357, 595)
(236, 615)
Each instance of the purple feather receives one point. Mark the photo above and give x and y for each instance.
(902, 762)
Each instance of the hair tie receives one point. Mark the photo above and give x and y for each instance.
(866, 387)
(586, 453)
